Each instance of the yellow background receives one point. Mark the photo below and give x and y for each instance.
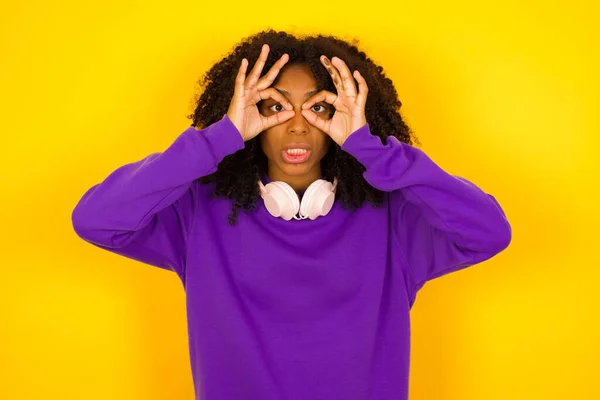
(505, 94)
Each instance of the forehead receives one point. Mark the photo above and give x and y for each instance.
(295, 76)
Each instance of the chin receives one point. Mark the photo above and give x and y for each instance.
(295, 169)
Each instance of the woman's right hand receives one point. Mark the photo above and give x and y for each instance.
(243, 111)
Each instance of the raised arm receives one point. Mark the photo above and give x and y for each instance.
(143, 210)
(441, 222)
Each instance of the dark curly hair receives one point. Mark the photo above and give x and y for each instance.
(237, 173)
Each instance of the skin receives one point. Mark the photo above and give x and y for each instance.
(299, 82)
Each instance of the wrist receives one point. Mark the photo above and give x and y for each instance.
(239, 131)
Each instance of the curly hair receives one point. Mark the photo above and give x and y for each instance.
(237, 174)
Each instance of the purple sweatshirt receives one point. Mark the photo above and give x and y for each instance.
(299, 309)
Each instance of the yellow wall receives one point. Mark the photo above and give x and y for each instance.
(506, 95)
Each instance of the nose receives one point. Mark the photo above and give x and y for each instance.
(298, 124)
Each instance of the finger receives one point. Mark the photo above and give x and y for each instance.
(335, 75)
(240, 78)
(348, 81)
(268, 79)
(323, 95)
(277, 119)
(260, 63)
(272, 93)
(363, 89)
(314, 119)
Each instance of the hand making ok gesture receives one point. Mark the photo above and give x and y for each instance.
(349, 106)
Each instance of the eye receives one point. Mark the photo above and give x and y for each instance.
(321, 110)
(276, 105)
(323, 107)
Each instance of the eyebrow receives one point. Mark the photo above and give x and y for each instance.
(286, 93)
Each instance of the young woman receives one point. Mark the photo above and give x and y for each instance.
(307, 294)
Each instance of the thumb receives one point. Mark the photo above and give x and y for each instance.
(312, 119)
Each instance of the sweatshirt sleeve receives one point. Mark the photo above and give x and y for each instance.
(441, 222)
(143, 210)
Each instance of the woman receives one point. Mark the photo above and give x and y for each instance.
(307, 294)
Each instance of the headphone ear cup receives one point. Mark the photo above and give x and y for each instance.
(318, 199)
(281, 200)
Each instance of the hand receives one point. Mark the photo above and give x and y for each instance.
(243, 111)
(349, 113)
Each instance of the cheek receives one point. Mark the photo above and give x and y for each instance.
(324, 147)
(267, 144)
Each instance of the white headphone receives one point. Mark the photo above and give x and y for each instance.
(282, 201)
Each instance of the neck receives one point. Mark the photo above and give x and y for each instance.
(298, 182)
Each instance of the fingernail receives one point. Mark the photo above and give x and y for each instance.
(325, 60)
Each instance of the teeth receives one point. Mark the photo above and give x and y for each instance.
(296, 151)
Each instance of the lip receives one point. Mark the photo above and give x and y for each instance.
(297, 146)
(295, 160)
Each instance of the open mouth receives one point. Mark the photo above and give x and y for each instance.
(295, 157)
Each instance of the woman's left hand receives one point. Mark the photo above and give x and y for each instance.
(349, 106)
